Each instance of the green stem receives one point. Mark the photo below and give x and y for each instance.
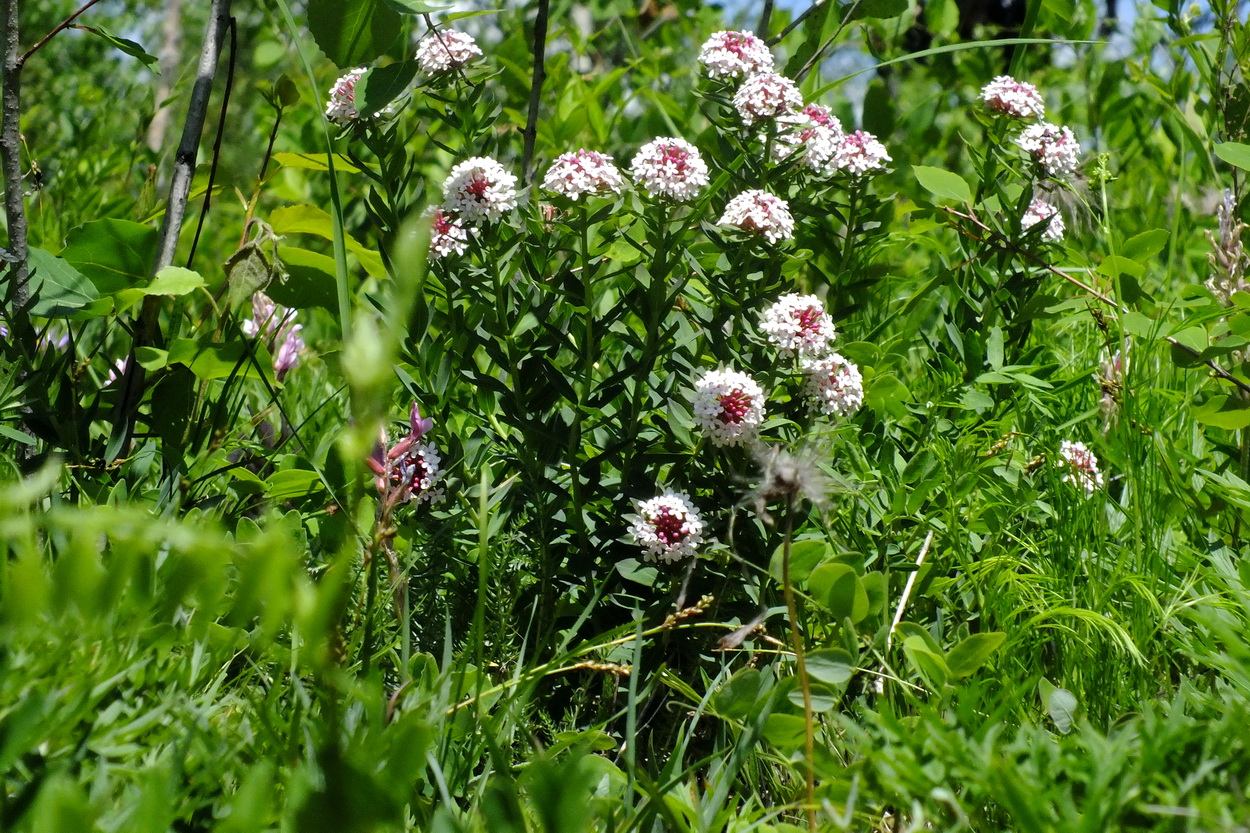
(589, 352)
(796, 639)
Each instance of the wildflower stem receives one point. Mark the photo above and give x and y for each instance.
(796, 639)
(536, 88)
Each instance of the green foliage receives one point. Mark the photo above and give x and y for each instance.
(228, 600)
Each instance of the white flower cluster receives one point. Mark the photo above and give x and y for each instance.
(762, 213)
(447, 234)
(341, 108)
(667, 527)
(445, 50)
(735, 55)
(728, 406)
(1041, 211)
(583, 172)
(859, 153)
(1054, 148)
(1013, 98)
(276, 325)
(420, 472)
(670, 169)
(1082, 467)
(798, 325)
(767, 95)
(479, 189)
(815, 131)
(835, 384)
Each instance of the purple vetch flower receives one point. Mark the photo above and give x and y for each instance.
(275, 325)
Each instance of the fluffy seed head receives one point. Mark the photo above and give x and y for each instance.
(728, 407)
(668, 527)
(735, 55)
(479, 189)
(1013, 98)
(670, 168)
(760, 212)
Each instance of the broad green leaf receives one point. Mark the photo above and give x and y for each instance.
(219, 361)
(58, 288)
(1195, 338)
(634, 570)
(1235, 154)
(382, 85)
(113, 254)
(308, 282)
(353, 32)
(1226, 411)
(309, 219)
(247, 271)
(874, 586)
(968, 656)
(830, 665)
(1115, 265)
(151, 358)
(174, 280)
(929, 663)
(838, 589)
(804, 556)
(785, 731)
(1146, 245)
(292, 483)
(738, 697)
(1062, 706)
(823, 698)
(1136, 324)
(943, 184)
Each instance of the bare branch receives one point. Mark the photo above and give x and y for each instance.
(536, 87)
(18, 293)
(62, 26)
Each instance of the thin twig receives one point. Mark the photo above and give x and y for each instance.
(820, 53)
(62, 26)
(18, 293)
(536, 87)
(1000, 240)
(911, 582)
(761, 30)
(794, 24)
(221, 129)
(148, 330)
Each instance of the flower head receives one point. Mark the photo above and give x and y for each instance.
(583, 172)
(447, 234)
(1082, 467)
(341, 108)
(1228, 254)
(766, 95)
(444, 50)
(479, 189)
(859, 153)
(670, 168)
(728, 406)
(1110, 378)
(799, 325)
(410, 470)
(1013, 98)
(1054, 148)
(1041, 211)
(276, 325)
(735, 55)
(760, 212)
(816, 131)
(667, 527)
(835, 384)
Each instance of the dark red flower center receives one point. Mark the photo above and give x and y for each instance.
(669, 526)
(734, 407)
